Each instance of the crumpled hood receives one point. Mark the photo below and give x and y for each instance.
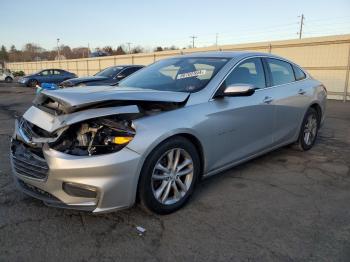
(86, 79)
(78, 97)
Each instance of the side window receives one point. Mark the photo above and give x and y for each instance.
(45, 73)
(281, 72)
(56, 72)
(250, 71)
(129, 71)
(299, 74)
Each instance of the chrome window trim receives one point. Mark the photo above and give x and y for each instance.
(265, 88)
(125, 68)
(121, 71)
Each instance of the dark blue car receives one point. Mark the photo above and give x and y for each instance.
(109, 76)
(54, 76)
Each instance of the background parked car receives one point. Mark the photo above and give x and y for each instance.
(109, 76)
(99, 53)
(55, 76)
(6, 75)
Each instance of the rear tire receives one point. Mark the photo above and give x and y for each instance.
(8, 79)
(169, 176)
(309, 130)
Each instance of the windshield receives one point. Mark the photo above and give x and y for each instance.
(176, 74)
(110, 72)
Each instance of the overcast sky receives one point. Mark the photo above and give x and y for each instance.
(155, 22)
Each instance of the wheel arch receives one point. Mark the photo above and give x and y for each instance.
(31, 80)
(199, 147)
(318, 109)
(189, 136)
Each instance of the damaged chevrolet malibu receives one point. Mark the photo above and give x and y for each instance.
(152, 137)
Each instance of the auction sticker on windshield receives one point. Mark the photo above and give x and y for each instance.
(192, 74)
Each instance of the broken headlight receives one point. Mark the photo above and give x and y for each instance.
(97, 136)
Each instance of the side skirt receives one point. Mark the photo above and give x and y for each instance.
(226, 167)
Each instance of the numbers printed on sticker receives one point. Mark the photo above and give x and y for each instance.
(192, 74)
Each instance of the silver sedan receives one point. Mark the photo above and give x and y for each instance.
(159, 131)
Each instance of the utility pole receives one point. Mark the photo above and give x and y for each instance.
(129, 44)
(216, 39)
(193, 37)
(58, 49)
(302, 17)
(88, 50)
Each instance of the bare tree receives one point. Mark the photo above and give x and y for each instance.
(3, 54)
(120, 50)
(137, 49)
(66, 51)
(108, 50)
(158, 49)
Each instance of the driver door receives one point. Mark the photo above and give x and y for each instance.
(245, 123)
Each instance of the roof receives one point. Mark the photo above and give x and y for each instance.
(127, 65)
(223, 54)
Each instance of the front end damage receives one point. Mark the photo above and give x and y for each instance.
(77, 156)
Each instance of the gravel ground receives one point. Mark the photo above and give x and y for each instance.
(284, 206)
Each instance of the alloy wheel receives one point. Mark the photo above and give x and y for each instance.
(172, 176)
(310, 130)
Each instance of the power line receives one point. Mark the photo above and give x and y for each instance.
(264, 33)
(129, 44)
(329, 18)
(58, 49)
(193, 37)
(301, 25)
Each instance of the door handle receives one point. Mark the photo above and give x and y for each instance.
(301, 92)
(267, 99)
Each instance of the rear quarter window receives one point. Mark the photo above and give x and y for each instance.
(281, 71)
(299, 74)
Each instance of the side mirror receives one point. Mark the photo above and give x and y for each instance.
(121, 76)
(237, 90)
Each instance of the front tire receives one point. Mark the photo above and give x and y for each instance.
(169, 176)
(309, 130)
(33, 83)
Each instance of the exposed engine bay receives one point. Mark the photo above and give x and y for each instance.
(96, 136)
(93, 136)
(96, 126)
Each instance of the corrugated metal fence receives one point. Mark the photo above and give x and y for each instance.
(325, 58)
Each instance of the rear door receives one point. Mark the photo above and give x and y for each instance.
(245, 122)
(59, 76)
(45, 76)
(290, 99)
